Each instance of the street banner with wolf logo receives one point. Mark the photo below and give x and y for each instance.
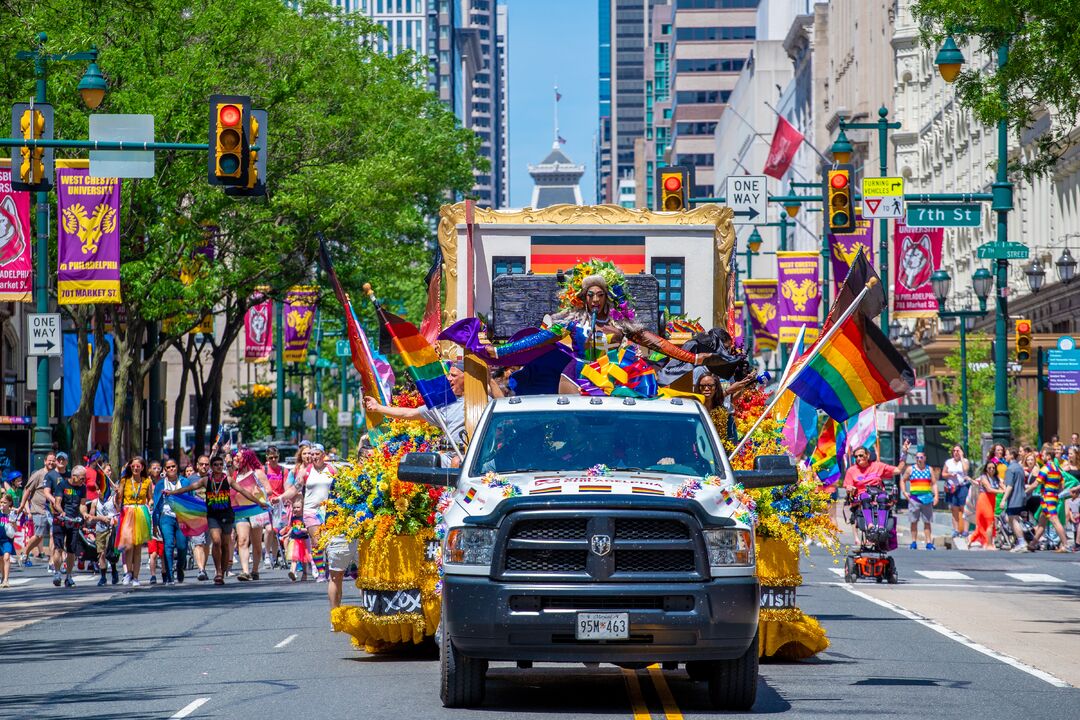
(799, 294)
(16, 268)
(89, 238)
(917, 254)
(844, 247)
(299, 314)
(258, 329)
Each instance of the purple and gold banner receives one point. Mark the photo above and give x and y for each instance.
(299, 314)
(740, 323)
(89, 238)
(843, 248)
(800, 294)
(16, 268)
(258, 329)
(761, 304)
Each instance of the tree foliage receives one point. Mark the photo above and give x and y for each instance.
(1042, 73)
(358, 150)
(980, 384)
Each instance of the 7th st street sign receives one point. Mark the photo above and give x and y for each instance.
(943, 215)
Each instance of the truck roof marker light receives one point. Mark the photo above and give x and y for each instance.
(515, 400)
(562, 400)
(596, 401)
(676, 401)
(629, 401)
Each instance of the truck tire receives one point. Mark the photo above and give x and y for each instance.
(462, 677)
(733, 683)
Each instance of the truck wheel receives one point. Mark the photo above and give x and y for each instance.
(733, 683)
(698, 670)
(462, 677)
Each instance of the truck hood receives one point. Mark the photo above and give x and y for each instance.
(718, 497)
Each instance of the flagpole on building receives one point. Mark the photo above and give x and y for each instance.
(815, 350)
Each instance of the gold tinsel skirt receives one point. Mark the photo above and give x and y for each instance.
(785, 633)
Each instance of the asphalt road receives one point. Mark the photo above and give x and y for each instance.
(265, 650)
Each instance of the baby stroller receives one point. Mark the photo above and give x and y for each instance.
(872, 514)
(87, 546)
(1005, 538)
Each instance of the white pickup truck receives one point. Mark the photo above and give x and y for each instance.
(599, 529)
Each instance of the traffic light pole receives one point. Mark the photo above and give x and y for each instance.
(42, 442)
(279, 371)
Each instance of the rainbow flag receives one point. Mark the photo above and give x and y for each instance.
(826, 460)
(248, 511)
(421, 361)
(190, 512)
(800, 417)
(853, 369)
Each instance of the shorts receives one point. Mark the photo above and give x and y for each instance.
(1014, 511)
(225, 526)
(7, 548)
(155, 547)
(1050, 503)
(66, 539)
(101, 541)
(958, 498)
(257, 521)
(41, 525)
(920, 511)
(199, 539)
(340, 554)
(314, 517)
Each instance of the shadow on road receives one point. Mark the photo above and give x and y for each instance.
(46, 705)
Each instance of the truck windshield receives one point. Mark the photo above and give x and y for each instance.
(576, 441)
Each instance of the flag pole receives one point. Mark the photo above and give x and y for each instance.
(815, 350)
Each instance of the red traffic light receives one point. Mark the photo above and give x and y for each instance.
(1023, 326)
(229, 115)
(673, 183)
(839, 181)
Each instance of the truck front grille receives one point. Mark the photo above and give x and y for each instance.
(546, 561)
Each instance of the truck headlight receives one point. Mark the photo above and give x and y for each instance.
(729, 547)
(469, 546)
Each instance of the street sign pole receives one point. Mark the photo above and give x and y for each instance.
(42, 443)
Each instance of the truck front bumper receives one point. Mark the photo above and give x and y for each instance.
(712, 620)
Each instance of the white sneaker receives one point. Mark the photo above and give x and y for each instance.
(127, 579)
(267, 564)
(134, 582)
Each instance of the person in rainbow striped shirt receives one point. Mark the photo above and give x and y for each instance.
(922, 495)
(1052, 481)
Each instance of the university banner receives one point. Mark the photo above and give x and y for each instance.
(916, 255)
(740, 324)
(299, 314)
(88, 238)
(845, 246)
(258, 329)
(799, 295)
(764, 318)
(16, 268)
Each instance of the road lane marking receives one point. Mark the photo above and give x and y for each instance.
(190, 708)
(962, 639)
(671, 708)
(20, 581)
(637, 700)
(837, 571)
(1035, 578)
(943, 575)
(286, 641)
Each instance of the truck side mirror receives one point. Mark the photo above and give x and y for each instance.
(769, 471)
(426, 467)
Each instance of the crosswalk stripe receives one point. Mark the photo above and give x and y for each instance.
(21, 581)
(1035, 578)
(943, 575)
(837, 571)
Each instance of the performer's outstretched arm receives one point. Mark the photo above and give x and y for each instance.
(655, 342)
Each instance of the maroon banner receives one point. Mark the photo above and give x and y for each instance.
(764, 318)
(916, 255)
(785, 143)
(89, 238)
(299, 313)
(258, 330)
(16, 267)
(799, 295)
(843, 248)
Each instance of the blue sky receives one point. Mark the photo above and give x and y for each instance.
(551, 41)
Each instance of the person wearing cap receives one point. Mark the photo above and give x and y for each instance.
(13, 487)
(33, 503)
(52, 479)
(450, 418)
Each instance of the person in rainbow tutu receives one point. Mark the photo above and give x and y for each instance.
(133, 531)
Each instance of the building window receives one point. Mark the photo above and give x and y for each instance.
(709, 65)
(669, 273)
(716, 33)
(507, 265)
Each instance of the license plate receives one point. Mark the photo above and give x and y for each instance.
(603, 626)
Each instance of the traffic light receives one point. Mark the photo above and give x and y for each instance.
(1023, 340)
(230, 125)
(673, 188)
(256, 184)
(32, 167)
(838, 190)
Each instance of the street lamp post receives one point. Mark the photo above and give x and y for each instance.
(279, 375)
(92, 90)
(941, 283)
(949, 60)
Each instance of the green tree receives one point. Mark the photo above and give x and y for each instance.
(1040, 77)
(980, 382)
(358, 149)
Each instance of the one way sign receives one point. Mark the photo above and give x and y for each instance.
(748, 196)
(43, 337)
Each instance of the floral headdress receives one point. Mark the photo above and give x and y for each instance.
(573, 294)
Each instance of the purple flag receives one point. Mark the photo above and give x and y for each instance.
(800, 294)
(16, 268)
(299, 313)
(844, 247)
(89, 237)
(761, 305)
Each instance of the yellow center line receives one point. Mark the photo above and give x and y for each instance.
(671, 709)
(637, 700)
